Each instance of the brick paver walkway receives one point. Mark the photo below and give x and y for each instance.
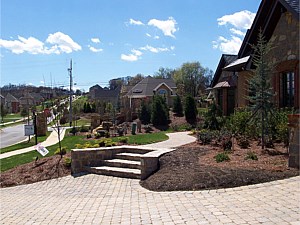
(96, 199)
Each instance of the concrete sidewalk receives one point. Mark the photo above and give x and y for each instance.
(51, 140)
(175, 140)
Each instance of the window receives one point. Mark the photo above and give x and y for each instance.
(287, 86)
(162, 92)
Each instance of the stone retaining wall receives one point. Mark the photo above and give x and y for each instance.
(82, 158)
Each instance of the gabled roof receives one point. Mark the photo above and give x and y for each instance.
(106, 93)
(146, 86)
(225, 60)
(266, 19)
(10, 98)
(238, 64)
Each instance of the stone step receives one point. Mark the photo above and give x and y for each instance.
(128, 156)
(123, 163)
(116, 172)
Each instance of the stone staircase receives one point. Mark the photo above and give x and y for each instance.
(124, 164)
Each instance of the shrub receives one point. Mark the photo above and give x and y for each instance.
(84, 129)
(110, 144)
(62, 152)
(67, 161)
(88, 136)
(73, 131)
(78, 146)
(213, 119)
(221, 157)
(123, 140)
(145, 114)
(63, 120)
(205, 136)
(190, 110)
(251, 155)
(243, 142)
(159, 112)
(177, 106)
(227, 144)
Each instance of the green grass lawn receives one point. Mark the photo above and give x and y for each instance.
(69, 142)
(24, 144)
(11, 117)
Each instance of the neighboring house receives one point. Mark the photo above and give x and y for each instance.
(147, 88)
(27, 101)
(104, 94)
(12, 104)
(38, 98)
(224, 85)
(279, 21)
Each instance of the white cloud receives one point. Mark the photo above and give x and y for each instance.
(95, 40)
(135, 22)
(148, 35)
(168, 27)
(61, 43)
(228, 46)
(156, 37)
(136, 54)
(237, 32)
(153, 49)
(93, 49)
(240, 20)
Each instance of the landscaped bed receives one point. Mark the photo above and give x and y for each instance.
(191, 167)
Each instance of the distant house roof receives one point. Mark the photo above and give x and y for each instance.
(106, 93)
(10, 98)
(225, 60)
(149, 84)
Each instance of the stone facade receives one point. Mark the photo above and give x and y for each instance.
(294, 146)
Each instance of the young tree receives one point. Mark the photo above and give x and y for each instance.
(3, 112)
(160, 112)
(177, 106)
(261, 93)
(190, 110)
(145, 115)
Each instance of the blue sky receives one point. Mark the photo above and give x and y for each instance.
(108, 39)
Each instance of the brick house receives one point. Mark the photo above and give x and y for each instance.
(146, 89)
(279, 21)
(12, 103)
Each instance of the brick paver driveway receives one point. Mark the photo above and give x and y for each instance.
(95, 199)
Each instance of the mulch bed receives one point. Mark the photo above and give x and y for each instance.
(190, 167)
(193, 167)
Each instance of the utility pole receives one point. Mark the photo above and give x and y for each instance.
(71, 93)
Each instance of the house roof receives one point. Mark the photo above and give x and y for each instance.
(227, 82)
(149, 84)
(225, 60)
(10, 98)
(237, 65)
(106, 93)
(266, 19)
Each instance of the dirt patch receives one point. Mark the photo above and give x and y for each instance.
(194, 167)
(44, 169)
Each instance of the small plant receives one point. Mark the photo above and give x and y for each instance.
(221, 157)
(123, 140)
(62, 152)
(67, 161)
(110, 144)
(73, 131)
(101, 143)
(227, 144)
(205, 136)
(251, 155)
(84, 129)
(243, 142)
(78, 146)
(88, 136)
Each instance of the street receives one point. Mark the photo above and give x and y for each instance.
(12, 135)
